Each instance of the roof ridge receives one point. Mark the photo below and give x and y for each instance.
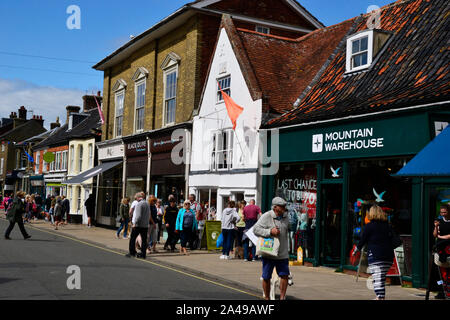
(266, 35)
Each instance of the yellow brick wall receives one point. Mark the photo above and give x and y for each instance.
(182, 41)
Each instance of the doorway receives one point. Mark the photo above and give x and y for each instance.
(331, 217)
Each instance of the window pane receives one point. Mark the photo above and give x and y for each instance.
(355, 46)
(364, 44)
(170, 111)
(356, 61)
(364, 58)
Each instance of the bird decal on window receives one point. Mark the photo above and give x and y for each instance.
(335, 172)
(379, 196)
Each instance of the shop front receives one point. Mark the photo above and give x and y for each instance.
(168, 175)
(37, 185)
(136, 162)
(110, 182)
(336, 173)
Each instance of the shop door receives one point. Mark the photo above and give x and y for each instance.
(331, 213)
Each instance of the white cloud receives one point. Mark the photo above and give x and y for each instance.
(50, 102)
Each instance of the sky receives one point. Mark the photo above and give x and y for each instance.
(46, 66)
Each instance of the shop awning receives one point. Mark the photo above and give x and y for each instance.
(432, 161)
(93, 172)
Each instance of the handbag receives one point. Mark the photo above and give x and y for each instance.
(219, 242)
(395, 239)
(267, 247)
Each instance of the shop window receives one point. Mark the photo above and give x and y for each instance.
(333, 170)
(370, 182)
(297, 184)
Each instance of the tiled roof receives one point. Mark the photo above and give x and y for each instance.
(82, 130)
(24, 131)
(278, 69)
(413, 68)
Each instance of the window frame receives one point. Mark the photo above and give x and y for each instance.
(218, 149)
(168, 71)
(91, 155)
(139, 82)
(227, 90)
(262, 27)
(37, 163)
(80, 158)
(349, 57)
(116, 96)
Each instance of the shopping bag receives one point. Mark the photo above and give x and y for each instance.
(219, 242)
(267, 247)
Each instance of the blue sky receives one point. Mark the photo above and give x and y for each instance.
(38, 28)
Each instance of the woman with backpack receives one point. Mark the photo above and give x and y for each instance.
(14, 215)
(186, 224)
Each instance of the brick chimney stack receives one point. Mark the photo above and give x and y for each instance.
(56, 124)
(89, 102)
(23, 113)
(71, 109)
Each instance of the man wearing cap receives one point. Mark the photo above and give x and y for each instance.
(275, 223)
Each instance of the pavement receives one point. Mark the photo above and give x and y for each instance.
(310, 283)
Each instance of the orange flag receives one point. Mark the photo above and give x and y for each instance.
(234, 110)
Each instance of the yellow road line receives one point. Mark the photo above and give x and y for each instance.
(150, 262)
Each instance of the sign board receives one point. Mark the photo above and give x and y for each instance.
(213, 229)
(108, 152)
(381, 137)
(136, 148)
(394, 271)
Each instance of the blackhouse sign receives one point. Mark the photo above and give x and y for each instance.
(384, 137)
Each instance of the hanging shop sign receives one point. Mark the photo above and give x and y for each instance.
(387, 137)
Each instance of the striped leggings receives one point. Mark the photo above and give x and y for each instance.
(379, 270)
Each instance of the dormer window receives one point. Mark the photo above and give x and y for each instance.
(262, 29)
(363, 47)
(359, 51)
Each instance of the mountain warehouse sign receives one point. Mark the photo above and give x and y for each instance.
(402, 135)
(346, 140)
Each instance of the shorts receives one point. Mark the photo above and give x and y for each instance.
(282, 267)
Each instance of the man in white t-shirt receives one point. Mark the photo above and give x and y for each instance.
(135, 202)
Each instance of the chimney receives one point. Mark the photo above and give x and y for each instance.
(89, 102)
(56, 124)
(12, 115)
(23, 113)
(39, 120)
(71, 109)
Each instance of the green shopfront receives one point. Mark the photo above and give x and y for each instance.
(331, 174)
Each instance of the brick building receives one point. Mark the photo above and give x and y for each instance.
(153, 84)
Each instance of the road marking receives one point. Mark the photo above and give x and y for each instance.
(146, 261)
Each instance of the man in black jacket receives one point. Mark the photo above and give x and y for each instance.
(66, 209)
(170, 219)
(14, 215)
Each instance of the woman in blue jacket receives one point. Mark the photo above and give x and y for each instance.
(377, 235)
(186, 224)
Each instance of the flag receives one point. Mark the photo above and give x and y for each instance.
(234, 110)
(100, 110)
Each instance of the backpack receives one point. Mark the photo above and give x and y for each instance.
(188, 219)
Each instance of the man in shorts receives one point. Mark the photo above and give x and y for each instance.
(275, 223)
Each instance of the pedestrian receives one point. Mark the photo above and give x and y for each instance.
(14, 215)
(140, 223)
(153, 229)
(159, 219)
(229, 220)
(90, 209)
(66, 209)
(275, 223)
(124, 212)
(186, 225)
(170, 219)
(201, 219)
(442, 234)
(196, 208)
(251, 214)
(28, 207)
(58, 212)
(377, 235)
(39, 203)
(240, 225)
